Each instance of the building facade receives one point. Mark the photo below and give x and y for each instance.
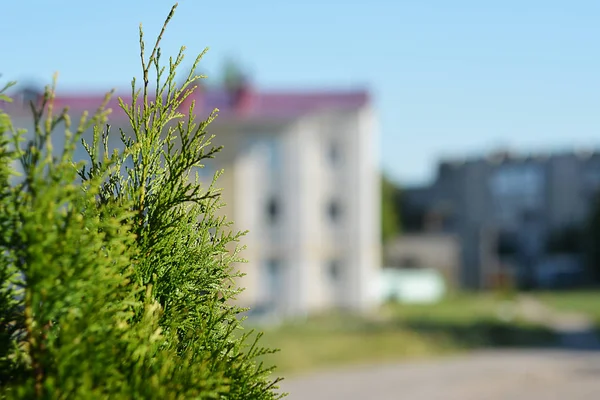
(301, 175)
(504, 208)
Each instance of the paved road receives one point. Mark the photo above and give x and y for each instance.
(494, 375)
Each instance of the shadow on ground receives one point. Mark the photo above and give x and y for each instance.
(487, 333)
(475, 335)
(580, 340)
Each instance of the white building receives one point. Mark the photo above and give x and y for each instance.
(301, 174)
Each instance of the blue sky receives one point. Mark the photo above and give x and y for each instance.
(449, 78)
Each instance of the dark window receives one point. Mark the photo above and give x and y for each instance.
(506, 244)
(408, 262)
(273, 210)
(334, 269)
(333, 209)
(273, 267)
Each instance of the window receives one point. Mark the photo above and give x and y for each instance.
(333, 270)
(408, 262)
(518, 181)
(272, 267)
(516, 188)
(506, 244)
(272, 210)
(333, 153)
(268, 147)
(333, 210)
(592, 178)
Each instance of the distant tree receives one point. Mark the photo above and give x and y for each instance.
(592, 241)
(233, 75)
(568, 240)
(390, 209)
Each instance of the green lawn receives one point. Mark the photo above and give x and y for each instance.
(398, 332)
(586, 302)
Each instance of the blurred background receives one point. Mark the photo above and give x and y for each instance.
(419, 179)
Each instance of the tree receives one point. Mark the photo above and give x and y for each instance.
(592, 241)
(116, 282)
(233, 76)
(568, 240)
(390, 212)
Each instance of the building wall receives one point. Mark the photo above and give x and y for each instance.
(438, 251)
(310, 258)
(367, 225)
(482, 206)
(333, 254)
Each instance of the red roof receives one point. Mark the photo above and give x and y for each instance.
(252, 104)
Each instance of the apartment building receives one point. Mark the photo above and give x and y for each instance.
(505, 201)
(301, 174)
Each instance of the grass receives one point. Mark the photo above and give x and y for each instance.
(320, 343)
(399, 332)
(581, 301)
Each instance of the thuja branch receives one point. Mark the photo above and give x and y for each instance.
(146, 110)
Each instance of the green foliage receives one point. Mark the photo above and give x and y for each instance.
(116, 274)
(390, 212)
(233, 75)
(592, 241)
(569, 239)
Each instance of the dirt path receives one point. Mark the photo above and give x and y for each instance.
(575, 330)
